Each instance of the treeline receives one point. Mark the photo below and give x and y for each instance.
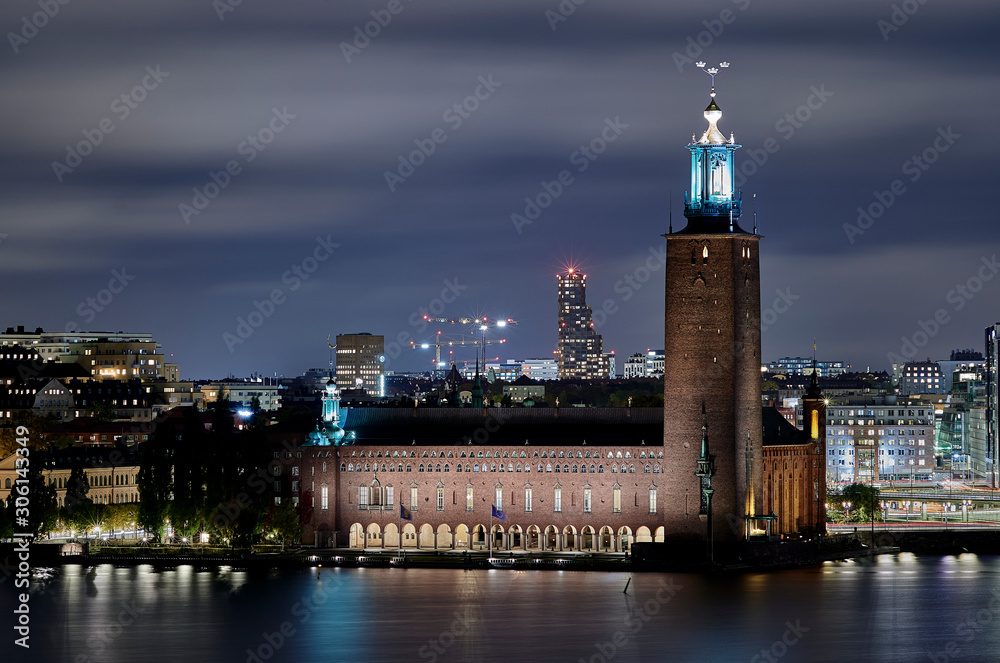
(208, 477)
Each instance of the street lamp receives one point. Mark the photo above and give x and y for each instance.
(847, 506)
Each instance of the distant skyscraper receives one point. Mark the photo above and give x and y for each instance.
(360, 362)
(581, 353)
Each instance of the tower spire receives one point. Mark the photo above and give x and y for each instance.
(712, 205)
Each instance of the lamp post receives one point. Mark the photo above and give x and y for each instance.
(847, 507)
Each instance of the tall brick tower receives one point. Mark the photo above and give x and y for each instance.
(712, 350)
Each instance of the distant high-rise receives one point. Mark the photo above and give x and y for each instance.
(360, 362)
(580, 353)
(992, 405)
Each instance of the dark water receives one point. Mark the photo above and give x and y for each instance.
(897, 608)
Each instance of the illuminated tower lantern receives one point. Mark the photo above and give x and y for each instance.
(712, 349)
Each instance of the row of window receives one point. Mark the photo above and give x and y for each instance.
(472, 454)
(377, 497)
(510, 467)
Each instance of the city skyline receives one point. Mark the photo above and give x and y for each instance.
(324, 217)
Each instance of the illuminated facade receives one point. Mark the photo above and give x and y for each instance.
(360, 363)
(580, 348)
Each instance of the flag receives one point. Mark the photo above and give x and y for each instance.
(404, 513)
(497, 513)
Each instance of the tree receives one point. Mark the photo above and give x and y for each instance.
(79, 510)
(864, 500)
(154, 480)
(285, 523)
(103, 411)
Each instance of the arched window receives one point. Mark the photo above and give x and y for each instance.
(565, 468)
(623, 470)
(409, 467)
(399, 467)
(574, 468)
(6, 483)
(591, 469)
(437, 468)
(343, 468)
(557, 467)
(600, 469)
(656, 469)
(704, 255)
(493, 468)
(447, 468)
(519, 467)
(614, 469)
(475, 468)
(510, 467)
(548, 468)
(458, 467)
(694, 254)
(647, 469)
(420, 468)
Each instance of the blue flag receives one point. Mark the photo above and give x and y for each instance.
(497, 513)
(404, 513)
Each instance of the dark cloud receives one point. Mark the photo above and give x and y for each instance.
(323, 175)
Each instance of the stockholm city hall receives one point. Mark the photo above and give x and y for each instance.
(712, 466)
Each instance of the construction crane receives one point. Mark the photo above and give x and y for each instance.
(440, 342)
(481, 325)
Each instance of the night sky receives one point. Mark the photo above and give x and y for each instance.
(308, 118)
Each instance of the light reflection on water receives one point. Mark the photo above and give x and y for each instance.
(896, 608)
